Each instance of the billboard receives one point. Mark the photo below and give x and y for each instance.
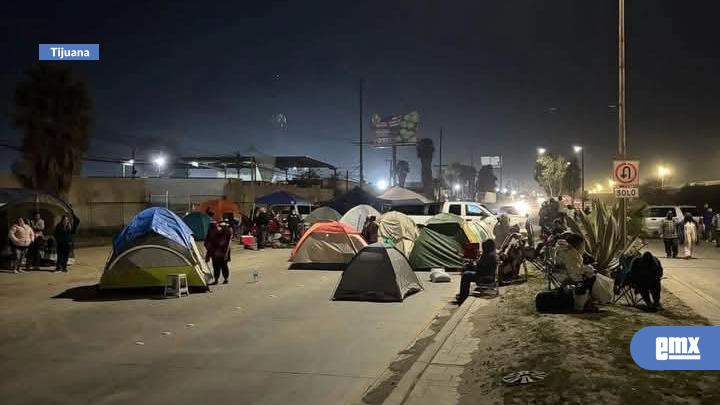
(494, 161)
(395, 129)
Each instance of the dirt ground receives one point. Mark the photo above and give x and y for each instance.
(586, 356)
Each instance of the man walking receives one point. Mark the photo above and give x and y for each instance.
(707, 223)
(669, 233)
(261, 224)
(63, 240)
(716, 229)
(293, 221)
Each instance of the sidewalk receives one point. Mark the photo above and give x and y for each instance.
(697, 281)
(586, 356)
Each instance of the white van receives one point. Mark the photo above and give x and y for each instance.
(653, 215)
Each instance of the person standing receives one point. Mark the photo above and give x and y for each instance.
(669, 234)
(293, 221)
(370, 230)
(218, 246)
(690, 230)
(21, 237)
(63, 240)
(707, 218)
(261, 227)
(716, 229)
(38, 226)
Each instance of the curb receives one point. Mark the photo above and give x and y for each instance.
(411, 377)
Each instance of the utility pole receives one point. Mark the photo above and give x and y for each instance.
(361, 132)
(440, 174)
(582, 178)
(622, 152)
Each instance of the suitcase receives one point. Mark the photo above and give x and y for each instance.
(554, 302)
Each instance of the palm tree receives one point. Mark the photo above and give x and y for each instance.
(401, 170)
(425, 151)
(52, 109)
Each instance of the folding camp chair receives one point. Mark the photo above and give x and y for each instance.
(487, 282)
(624, 290)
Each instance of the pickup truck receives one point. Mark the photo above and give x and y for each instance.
(468, 210)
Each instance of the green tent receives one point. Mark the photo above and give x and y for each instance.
(453, 226)
(433, 249)
(199, 224)
(323, 214)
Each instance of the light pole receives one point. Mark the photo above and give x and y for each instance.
(581, 151)
(621, 112)
(160, 161)
(662, 172)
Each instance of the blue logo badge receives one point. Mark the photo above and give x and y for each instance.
(69, 51)
(677, 348)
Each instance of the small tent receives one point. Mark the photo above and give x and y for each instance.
(221, 208)
(154, 244)
(322, 214)
(356, 196)
(326, 244)
(356, 216)
(435, 250)
(199, 224)
(397, 229)
(377, 273)
(453, 226)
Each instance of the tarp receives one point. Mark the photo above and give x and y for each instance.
(281, 198)
(199, 224)
(356, 196)
(377, 273)
(158, 220)
(322, 214)
(327, 243)
(435, 250)
(482, 230)
(356, 216)
(397, 229)
(396, 196)
(453, 226)
(220, 207)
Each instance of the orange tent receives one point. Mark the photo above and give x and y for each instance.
(327, 242)
(220, 207)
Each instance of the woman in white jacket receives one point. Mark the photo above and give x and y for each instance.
(690, 231)
(21, 237)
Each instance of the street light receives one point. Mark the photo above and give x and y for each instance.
(160, 162)
(580, 150)
(541, 151)
(662, 172)
(382, 184)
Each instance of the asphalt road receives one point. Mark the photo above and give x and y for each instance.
(696, 281)
(276, 341)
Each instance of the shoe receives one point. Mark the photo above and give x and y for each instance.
(226, 281)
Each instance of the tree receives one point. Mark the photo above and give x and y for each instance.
(573, 177)
(402, 169)
(549, 173)
(464, 175)
(486, 180)
(425, 151)
(52, 109)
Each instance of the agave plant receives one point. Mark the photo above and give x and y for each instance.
(601, 231)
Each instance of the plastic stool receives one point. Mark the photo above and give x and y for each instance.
(176, 285)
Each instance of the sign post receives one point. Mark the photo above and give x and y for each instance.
(626, 175)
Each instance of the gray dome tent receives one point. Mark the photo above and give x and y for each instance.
(377, 273)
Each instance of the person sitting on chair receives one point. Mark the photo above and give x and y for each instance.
(570, 254)
(486, 269)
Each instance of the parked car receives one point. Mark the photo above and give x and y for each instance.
(653, 215)
(468, 210)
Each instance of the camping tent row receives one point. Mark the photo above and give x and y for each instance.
(440, 244)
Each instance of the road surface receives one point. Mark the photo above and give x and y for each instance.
(278, 341)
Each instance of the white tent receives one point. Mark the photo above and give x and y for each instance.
(356, 216)
(396, 196)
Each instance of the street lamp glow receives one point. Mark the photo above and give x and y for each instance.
(194, 164)
(513, 192)
(497, 189)
(129, 163)
(577, 148)
(541, 151)
(382, 184)
(611, 183)
(663, 171)
(456, 187)
(160, 161)
(504, 190)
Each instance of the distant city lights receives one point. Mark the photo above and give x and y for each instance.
(456, 187)
(381, 184)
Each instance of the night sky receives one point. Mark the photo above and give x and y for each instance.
(500, 77)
